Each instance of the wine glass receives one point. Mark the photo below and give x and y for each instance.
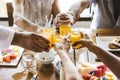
(75, 35)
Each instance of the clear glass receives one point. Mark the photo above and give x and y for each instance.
(64, 27)
(28, 60)
(75, 36)
(49, 33)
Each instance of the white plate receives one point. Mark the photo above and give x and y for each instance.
(95, 64)
(103, 41)
(14, 62)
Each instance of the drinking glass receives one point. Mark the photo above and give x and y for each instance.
(65, 26)
(28, 60)
(49, 33)
(75, 35)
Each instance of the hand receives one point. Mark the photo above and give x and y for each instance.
(73, 16)
(62, 16)
(85, 43)
(63, 46)
(31, 41)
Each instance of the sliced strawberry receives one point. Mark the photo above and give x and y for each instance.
(6, 58)
(13, 56)
(86, 76)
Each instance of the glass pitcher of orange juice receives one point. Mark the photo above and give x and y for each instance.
(65, 26)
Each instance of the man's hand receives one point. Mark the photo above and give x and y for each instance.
(31, 41)
(62, 16)
(70, 15)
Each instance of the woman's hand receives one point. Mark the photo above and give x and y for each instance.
(63, 46)
(85, 43)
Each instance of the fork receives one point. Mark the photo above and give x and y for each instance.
(34, 77)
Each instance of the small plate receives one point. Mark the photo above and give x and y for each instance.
(103, 42)
(14, 62)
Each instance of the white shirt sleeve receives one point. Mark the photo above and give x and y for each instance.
(91, 1)
(6, 37)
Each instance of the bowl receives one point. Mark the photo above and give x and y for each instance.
(46, 57)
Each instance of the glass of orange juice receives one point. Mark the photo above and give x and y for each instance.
(49, 33)
(75, 36)
(65, 26)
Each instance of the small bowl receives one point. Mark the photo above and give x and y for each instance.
(46, 57)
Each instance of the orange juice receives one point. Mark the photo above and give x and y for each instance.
(49, 30)
(49, 34)
(57, 38)
(75, 37)
(64, 25)
(64, 29)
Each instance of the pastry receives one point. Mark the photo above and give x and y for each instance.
(115, 44)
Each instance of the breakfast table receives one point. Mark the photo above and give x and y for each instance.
(46, 72)
(19, 72)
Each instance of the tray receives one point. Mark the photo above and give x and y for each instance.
(14, 62)
(103, 41)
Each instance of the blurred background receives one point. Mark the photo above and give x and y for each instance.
(6, 13)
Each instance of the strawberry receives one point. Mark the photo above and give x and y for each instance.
(6, 58)
(98, 72)
(104, 69)
(13, 55)
(86, 76)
